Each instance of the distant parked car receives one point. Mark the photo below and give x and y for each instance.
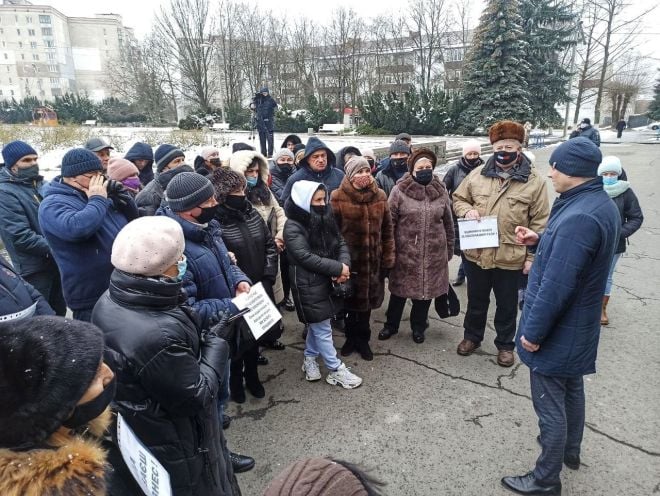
(654, 126)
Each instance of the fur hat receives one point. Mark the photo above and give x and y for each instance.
(164, 154)
(79, 161)
(577, 157)
(282, 152)
(316, 477)
(471, 146)
(399, 146)
(419, 154)
(47, 364)
(120, 168)
(225, 181)
(188, 190)
(303, 191)
(148, 246)
(610, 163)
(16, 150)
(503, 130)
(354, 165)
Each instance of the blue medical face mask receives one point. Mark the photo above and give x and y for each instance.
(251, 181)
(610, 180)
(181, 266)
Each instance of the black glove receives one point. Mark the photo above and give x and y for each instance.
(215, 354)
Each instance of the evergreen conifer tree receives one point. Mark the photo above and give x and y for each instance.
(550, 28)
(495, 83)
(654, 108)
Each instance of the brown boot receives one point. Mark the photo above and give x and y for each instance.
(505, 358)
(603, 315)
(467, 347)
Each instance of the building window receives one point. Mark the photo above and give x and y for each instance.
(33, 45)
(6, 56)
(28, 19)
(51, 56)
(52, 68)
(0, 92)
(31, 32)
(20, 44)
(47, 31)
(18, 32)
(4, 45)
(106, 42)
(35, 56)
(22, 56)
(49, 43)
(11, 92)
(104, 32)
(44, 19)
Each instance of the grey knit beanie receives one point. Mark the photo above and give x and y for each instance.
(187, 191)
(399, 146)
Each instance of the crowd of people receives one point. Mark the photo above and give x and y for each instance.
(149, 266)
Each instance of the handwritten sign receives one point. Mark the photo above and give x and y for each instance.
(478, 233)
(146, 470)
(263, 313)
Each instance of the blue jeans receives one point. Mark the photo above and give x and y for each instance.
(319, 342)
(559, 405)
(610, 276)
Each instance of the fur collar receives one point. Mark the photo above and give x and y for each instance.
(241, 160)
(434, 190)
(366, 195)
(70, 465)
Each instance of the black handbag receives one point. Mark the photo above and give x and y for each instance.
(448, 305)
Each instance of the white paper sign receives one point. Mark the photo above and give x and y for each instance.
(479, 233)
(146, 470)
(263, 313)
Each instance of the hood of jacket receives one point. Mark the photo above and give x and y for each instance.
(71, 465)
(313, 145)
(340, 155)
(241, 160)
(140, 151)
(293, 138)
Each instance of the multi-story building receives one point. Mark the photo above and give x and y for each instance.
(44, 53)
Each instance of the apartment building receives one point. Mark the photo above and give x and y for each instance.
(44, 53)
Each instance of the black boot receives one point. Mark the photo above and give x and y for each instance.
(527, 484)
(348, 348)
(387, 333)
(365, 350)
(252, 382)
(241, 463)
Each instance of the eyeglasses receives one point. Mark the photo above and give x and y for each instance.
(91, 176)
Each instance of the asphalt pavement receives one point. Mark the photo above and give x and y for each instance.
(427, 421)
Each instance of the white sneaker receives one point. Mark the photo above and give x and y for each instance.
(344, 377)
(311, 369)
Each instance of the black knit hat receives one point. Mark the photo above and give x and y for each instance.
(164, 154)
(187, 191)
(46, 366)
(399, 146)
(237, 147)
(225, 181)
(577, 157)
(79, 161)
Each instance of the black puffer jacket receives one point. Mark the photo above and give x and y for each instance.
(279, 177)
(246, 234)
(315, 256)
(340, 156)
(16, 295)
(631, 217)
(168, 375)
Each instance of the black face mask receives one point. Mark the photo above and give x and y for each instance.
(165, 177)
(472, 161)
(237, 202)
(31, 172)
(207, 215)
(399, 164)
(285, 167)
(86, 412)
(424, 176)
(506, 158)
(215, 162)
(318, 209)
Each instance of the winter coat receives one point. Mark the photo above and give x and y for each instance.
(331, 177)
(150, 198)
(246, 235)
(264, 202)
(279, 176)
(19, 229)
(521, 200)
(67, 465)
(387, 177)
(310, 271)
(588, 132)
(363, 217)
(17, 295)
(340, 156)
(80, 232)
(424, 237)
(265, 108)
(211, 279)
(621, 125)
(631, 217)
(564, 295)
(142, 151)
(453, 179)
(168, 376)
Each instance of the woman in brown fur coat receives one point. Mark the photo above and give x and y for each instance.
(424, 235)
(361, 211)
(55, 392)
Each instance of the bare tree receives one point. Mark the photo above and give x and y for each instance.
(226, 43)
(628, 82)
(303, 55)
(188, 27)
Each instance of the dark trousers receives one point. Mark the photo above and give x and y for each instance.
(504, 283)
(266, 138)
(559, 405)
(85, 314)
(284, 271)
(244, 367)
(48, 283)
(619, 132)
(357, 326)
(418, 314)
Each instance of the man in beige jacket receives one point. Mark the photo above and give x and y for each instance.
(509, 187)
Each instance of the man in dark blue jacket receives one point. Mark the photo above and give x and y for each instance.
(212, 279)
(21, 190)
(142, 155)
(317, 165)
(264, 107)
(560, 324)
(586, 130)
(80, 219)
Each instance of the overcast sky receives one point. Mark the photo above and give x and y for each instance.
(138, 14)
